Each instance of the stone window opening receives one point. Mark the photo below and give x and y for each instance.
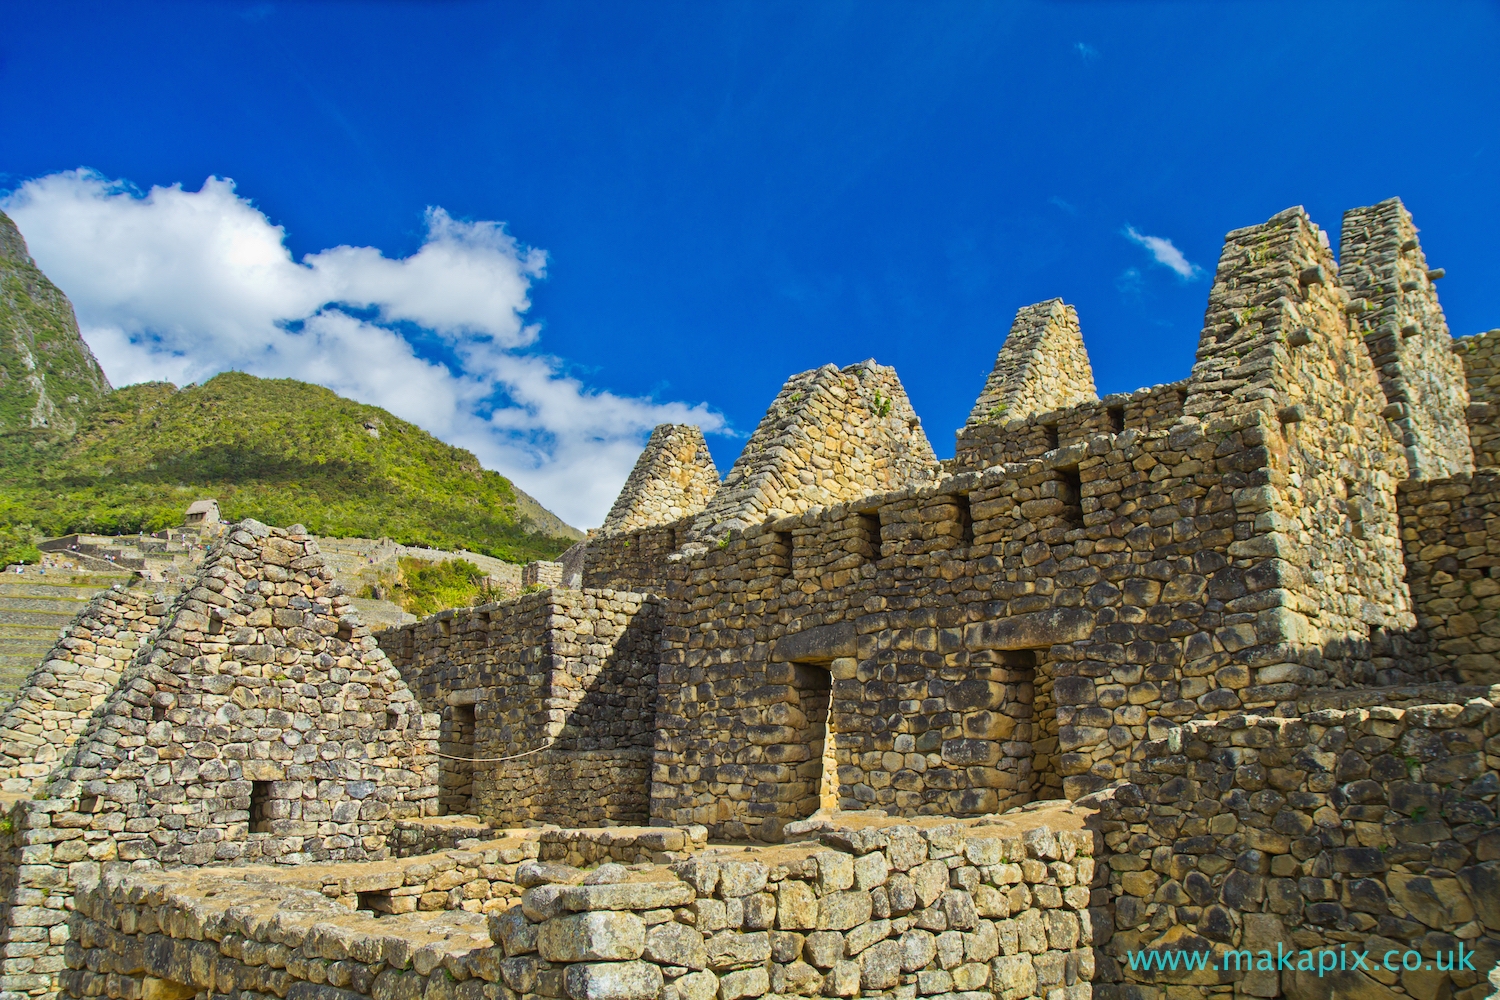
(869, 529)
(376, 901)
(817, 775)
(1050, 430)
(965, 519)
(1116, 419)
(456, 776)
(260, 801)
(1070, 492)
(784, 544)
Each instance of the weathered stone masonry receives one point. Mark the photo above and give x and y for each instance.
(259, 722)
(1017, 630)
(565, 677)
(1223, 616)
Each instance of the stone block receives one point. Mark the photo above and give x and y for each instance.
(606, 935)
(672, 943)
(613, 981)
(623, 896)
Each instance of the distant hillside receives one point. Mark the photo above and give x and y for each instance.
(76, 456)
(48, 375)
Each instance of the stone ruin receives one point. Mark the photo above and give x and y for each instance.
(1206, 669)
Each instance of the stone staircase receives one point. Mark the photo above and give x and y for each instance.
(34, 608)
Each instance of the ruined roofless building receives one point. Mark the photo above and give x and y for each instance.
(848, 620)
(1204, 667)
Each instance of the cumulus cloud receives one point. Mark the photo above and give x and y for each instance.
(1164, 253)
(180, 285)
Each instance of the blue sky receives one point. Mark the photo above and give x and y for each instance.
(700, 199)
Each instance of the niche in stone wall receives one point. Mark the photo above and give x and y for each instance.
(869, 534)
(376, 901)
(782, 553)
(1116, 419)
(815, 774)
(456, 766)
(965, 519)
(260, 807)
(1050, 433)
(1070, 491)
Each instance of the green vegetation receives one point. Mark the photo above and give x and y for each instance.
(278, 450)
(76, 456)
(18, 545)
(423, 588)
(48, 375)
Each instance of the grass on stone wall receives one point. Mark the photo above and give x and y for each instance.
(423, 588)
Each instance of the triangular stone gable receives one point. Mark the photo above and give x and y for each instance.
(1280, 369)
(1042, 366)
(1394, 306)
(674, 478)
(832, 435)
(79, 674)
(263, 723)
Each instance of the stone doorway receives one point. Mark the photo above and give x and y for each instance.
(815, 783)
(456, 767)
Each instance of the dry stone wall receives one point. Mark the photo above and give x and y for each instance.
(1451, 532)
(997, 442)
(53, 708)
(831, 435)
(1393, 304)
(873, 911)
(1366, 830)
(673, 479)
(566, 678)
(1018, 630)
(1480, 355)
(1277, 347)
(633, 560)
(261, 723)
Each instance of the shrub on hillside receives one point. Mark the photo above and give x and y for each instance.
(18, 545)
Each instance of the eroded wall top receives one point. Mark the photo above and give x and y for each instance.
(1394, 306)
(832, 435)
(674, 478)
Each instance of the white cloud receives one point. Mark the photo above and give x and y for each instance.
(1164, 253)
(181, 285)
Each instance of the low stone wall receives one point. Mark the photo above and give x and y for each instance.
(1368, 830)
(628, 844)
(52, 710)
(947, 910)
(1450, 529)
(436, 833)
(633, 560)
(998, 441)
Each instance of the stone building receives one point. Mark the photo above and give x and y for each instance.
(202, 514)
(253, 719)
(1201, 669)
